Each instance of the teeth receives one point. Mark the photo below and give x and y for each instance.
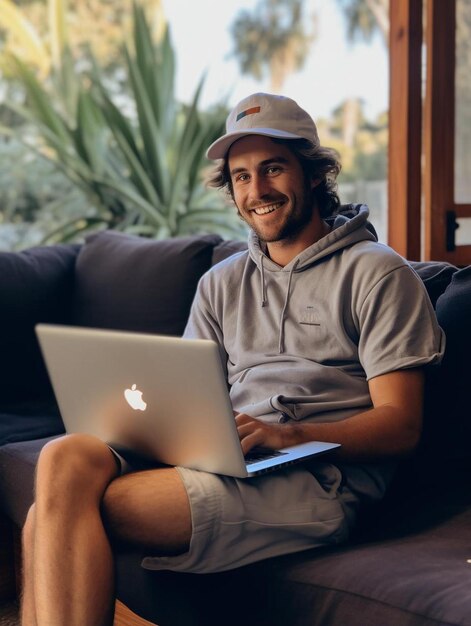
(267, 209)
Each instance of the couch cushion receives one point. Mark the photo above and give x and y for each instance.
(29, 420)
(226, 249)
(436, 276)
(35, 286)
(17, 465)
(448, 398)
(416, 575)
(132, 283)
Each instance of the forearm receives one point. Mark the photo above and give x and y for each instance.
(380, 432)
(392, 428)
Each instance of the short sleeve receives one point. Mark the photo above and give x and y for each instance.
(398, 326)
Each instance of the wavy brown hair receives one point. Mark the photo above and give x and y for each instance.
(317, 162)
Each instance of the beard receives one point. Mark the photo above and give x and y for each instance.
(298, 218)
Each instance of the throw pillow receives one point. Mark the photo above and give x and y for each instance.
(132, 283)
(36, 286)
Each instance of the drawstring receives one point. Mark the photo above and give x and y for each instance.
(263, 287)
(263, 290)
(281, 345)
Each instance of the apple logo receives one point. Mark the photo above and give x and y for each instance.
(134, 399)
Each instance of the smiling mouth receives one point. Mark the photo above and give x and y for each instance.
(264, 210)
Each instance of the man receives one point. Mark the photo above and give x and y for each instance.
(323, 333)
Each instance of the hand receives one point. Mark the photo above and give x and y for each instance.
(253, 432)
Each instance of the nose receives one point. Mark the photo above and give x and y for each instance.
(259, 187)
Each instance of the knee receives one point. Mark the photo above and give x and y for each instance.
(76, 460)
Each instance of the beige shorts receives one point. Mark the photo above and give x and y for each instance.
(240, 521)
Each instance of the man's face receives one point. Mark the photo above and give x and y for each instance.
(269, 188)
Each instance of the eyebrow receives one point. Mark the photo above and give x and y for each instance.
(270, 161)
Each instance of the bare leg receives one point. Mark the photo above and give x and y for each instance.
(69, 578)
(28, 611)
(149, 509)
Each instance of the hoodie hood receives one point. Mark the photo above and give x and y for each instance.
(349, 226)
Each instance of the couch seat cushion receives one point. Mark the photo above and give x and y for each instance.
(17, 465)
(419, 578)
(131, 283)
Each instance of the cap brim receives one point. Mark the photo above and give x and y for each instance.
(219, 148)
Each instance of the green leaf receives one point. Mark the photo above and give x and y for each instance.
(39, 101)
(90, 134)
(69, 230)
(138, 201)
(149, 130)
(138, 174)
(116, 121)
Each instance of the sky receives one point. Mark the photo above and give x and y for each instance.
(335, 69)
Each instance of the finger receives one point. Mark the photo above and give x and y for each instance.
(246, 429)
(243, 418)
(251, 441)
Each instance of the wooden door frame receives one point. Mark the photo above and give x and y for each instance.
(439, 137)
(422, 151)
(405, 132)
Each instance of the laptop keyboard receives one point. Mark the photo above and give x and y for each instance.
(258, 454)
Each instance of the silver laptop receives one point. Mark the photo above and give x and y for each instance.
(163, 397)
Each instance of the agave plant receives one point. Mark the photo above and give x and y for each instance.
(142, 171)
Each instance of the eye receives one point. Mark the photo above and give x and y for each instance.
(273, 170)
(241, 178)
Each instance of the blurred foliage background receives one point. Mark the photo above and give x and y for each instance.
(92, 136)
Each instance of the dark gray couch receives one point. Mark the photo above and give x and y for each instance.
(407, 564)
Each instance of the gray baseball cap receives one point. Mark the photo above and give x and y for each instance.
(265, 114)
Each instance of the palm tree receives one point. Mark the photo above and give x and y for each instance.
(272, 38)
(366, 17)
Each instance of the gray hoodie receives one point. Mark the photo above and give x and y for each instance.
(302, 341)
